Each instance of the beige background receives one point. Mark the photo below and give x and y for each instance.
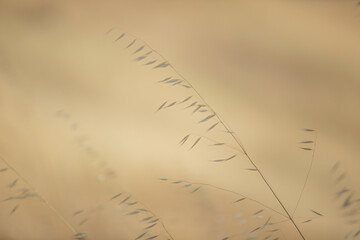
(77, 114)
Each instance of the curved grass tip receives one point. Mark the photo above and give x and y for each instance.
(317, 213)
(116, 196)
(176, 182)
(196, 189)
(251, 169)
(80, 235)
(308, 130)
(306, 149)
(241, 199)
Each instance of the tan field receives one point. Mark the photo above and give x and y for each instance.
(191, 93)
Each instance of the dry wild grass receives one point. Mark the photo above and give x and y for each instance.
(209, 121)
(209, 131)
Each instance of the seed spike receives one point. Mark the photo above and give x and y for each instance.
(196, 142)
(131, 43)
(120, 37)
(207, 118)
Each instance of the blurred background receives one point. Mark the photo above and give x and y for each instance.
(78, 118)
